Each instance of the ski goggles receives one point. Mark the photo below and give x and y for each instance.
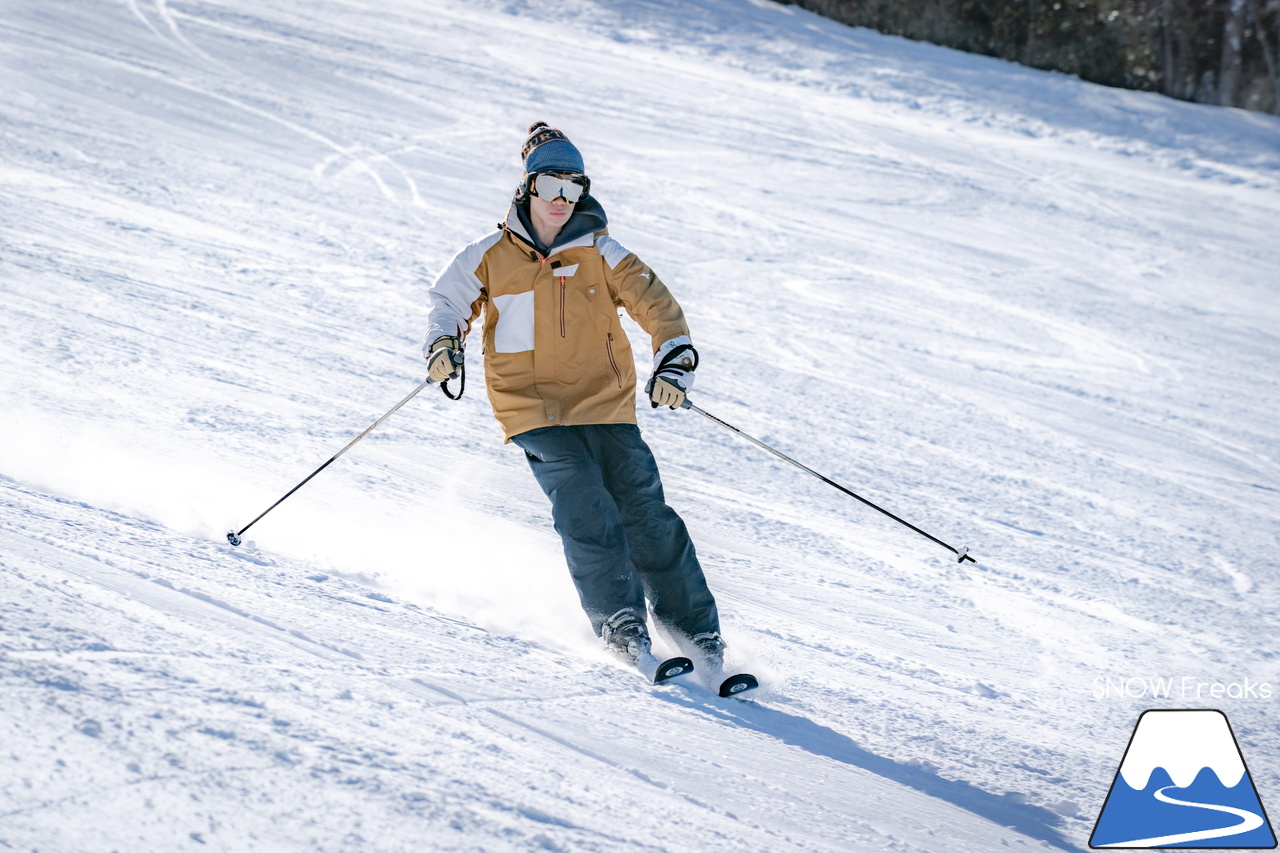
(570, 186)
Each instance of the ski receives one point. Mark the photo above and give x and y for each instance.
(659, 671)
(736, 685)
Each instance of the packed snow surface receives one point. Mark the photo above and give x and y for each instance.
(1034, 317)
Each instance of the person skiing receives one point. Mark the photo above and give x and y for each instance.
(549, 283)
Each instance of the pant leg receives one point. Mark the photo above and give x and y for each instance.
(587, 518)
(660, 546)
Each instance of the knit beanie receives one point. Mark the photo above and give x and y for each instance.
(549, 150)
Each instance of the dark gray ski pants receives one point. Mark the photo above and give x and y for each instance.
(623, 543)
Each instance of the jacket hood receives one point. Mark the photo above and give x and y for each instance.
(588, 217)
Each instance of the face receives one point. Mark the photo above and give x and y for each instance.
(549, 216)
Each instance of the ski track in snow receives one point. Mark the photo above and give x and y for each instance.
(1033, 316)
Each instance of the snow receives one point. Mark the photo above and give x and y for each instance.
(1033, 316)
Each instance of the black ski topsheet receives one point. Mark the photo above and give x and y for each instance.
(672, 668)
(736, 685)
(659, 671)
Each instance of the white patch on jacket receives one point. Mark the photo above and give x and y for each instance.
(612, 251)
(514, 330)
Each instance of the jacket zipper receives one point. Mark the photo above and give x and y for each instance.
(562, 278)
(617, 374)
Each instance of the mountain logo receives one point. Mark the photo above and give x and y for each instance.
(1183, 783)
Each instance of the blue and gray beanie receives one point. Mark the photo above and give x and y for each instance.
(549, 150)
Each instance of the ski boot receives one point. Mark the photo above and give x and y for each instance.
(711, 646)
(626, 635)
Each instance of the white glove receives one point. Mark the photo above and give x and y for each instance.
(673, 366)
(444, 358)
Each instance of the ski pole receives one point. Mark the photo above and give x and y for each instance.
(233, 536)
(961, 553)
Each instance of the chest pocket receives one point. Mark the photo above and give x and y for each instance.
(582, 299)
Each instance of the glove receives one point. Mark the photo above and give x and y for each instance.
(666, 392)
(673, 367)
(444, 358)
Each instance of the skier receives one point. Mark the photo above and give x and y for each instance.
(549, 282)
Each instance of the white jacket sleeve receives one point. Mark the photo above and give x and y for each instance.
(458, 293)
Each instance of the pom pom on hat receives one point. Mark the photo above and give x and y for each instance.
(549, 150)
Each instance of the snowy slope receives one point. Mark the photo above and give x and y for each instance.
(1033, 316)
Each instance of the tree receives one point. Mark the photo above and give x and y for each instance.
(1212, 51)
(1268, 55)
(1232, 53)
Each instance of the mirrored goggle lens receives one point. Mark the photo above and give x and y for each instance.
(549, 187)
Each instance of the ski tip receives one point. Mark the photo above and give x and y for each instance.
(672, 668)
(738, 684)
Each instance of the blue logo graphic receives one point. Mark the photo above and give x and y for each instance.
(1183, 783)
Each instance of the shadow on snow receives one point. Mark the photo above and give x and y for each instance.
(1032, 821)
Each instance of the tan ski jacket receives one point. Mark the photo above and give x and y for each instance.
(554, 349)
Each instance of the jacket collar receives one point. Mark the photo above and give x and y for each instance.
(588, 218)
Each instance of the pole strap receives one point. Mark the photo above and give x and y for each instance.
(462, 378)
(665, 366)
